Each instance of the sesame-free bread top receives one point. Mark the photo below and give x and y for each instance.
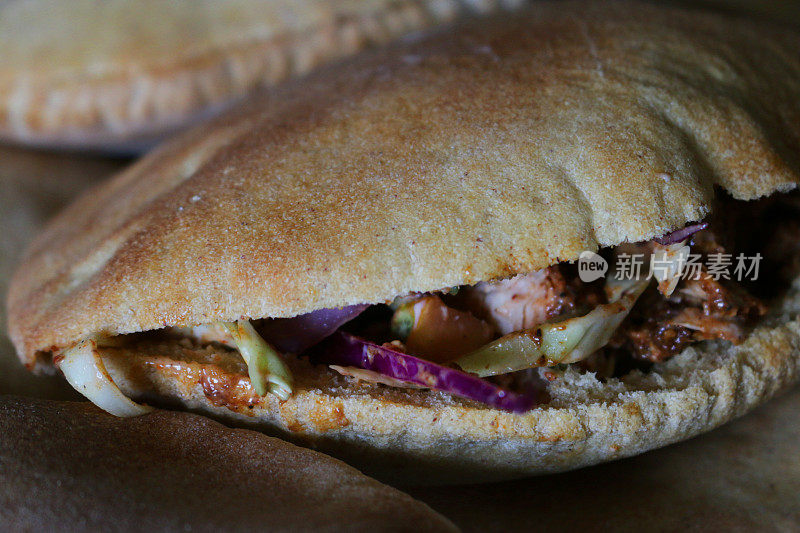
(119, 75)
(482, 151)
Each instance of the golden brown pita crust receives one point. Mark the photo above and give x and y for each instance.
(70, 466)
(120, 74)
(483, 151)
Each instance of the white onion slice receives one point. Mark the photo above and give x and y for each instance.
(362, 374)
(668, 263)
(84, 369)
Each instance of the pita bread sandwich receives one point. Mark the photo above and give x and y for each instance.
(120, 74)
(422, 260)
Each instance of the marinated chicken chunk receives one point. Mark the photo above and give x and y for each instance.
(521, 302)
(701, 309)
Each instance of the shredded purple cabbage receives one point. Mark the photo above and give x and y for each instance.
(299, 333)
(348, 350)
(681, 234)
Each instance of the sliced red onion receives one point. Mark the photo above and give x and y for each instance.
(299, 333)
(348, 350)
(681, 234)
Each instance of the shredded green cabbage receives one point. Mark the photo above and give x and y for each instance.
(563, 342)
(403, 321)
(268, 372)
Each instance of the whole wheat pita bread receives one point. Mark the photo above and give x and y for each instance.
(482, 151)
(119, 74)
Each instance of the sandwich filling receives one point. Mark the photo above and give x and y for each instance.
(499, 342)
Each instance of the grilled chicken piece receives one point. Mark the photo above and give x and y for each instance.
(521, 302)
